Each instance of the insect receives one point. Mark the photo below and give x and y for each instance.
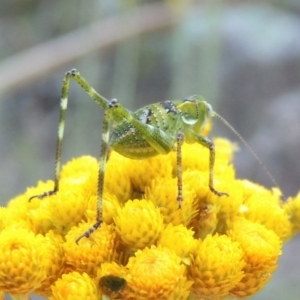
(149, 131)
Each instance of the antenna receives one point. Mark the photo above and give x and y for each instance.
(248, 146)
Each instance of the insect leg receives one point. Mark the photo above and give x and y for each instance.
(101, 176)
(211, 147)
(60, 135)
(101, 101)
(158, 139)
(179, 168)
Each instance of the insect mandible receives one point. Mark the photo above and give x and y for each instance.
(149, 131)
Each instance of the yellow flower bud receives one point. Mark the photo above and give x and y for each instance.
(157, 273)
(23, 261)
(180, 240)
(82, 172)
(143, 172)
(264, 207)
(89, 253)
(195, 157)
(56, 262)
(292, 209)
(110, 206)
(262, 248)
(228, 206)
(163, 193)
(216, 267)
(75, 286)
(117, 177)
(34, 212)
(66, 208)
(138, 224)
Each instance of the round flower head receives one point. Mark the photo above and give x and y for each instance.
(264, 207)
(180, 240)
(110, 206)
(261, 248)
(117, 177)
(138, 224)
(157, 273)
(195, 157)
(163, 193)
(78, 183)
(145, 171)
(229, 205)
(67, 208)
(56, 262)
(216, 267)
(34, 212)
(292, 209)
(75, 286)
(82, 172)
(23, 261)
(89, 253)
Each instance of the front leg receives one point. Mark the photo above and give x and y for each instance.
(101, 176)
(180, 138)
(207, 143)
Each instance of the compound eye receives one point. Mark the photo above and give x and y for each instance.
(113, 102)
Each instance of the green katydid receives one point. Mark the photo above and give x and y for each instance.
(149, 131)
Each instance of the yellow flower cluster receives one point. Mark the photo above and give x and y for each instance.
(147, 248)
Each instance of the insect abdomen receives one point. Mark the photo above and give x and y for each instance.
(129, 142)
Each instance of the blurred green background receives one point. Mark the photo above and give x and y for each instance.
(242, 56)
